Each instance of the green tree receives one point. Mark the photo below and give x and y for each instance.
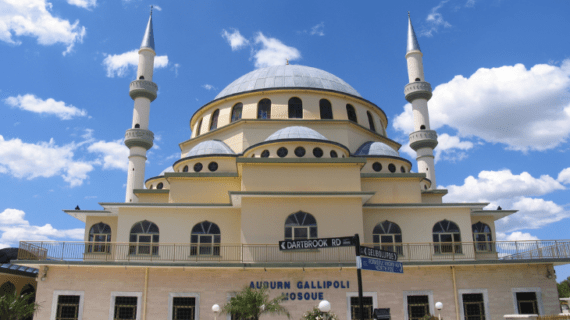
(564, 288)
(15, 307)
(316, 314)
(250, 304)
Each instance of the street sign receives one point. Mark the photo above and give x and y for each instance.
(316, 243)
(372, 264)
(378, 254)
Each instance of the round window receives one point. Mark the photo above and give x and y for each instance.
(185, 169)
(333, 154)
(282, 152)
(299, 151)
(402, 169)
(198, 167)
(377, 166)
(213, 166)
(265, 154)
(160, 185)
(392, 167)
(318, 152)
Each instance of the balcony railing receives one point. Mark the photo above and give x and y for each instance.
(270, 253)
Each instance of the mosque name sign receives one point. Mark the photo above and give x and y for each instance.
(307, 288)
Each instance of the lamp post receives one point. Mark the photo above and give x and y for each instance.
(216, 310)
(439, 306)
(324, 307)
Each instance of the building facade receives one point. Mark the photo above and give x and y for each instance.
(289, 152)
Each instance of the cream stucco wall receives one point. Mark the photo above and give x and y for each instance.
(202, 189)
(392, 190)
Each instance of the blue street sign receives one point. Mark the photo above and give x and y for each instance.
(372, 264)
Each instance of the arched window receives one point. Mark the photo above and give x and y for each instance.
(482, 236)
(99, 236)
(295, 108)
(7, 288)
(214, 120)
(264, 109)
(205, 239)
(137, 126)
(351, 113)
(326, 109)
(236, 111)
(144, 238)
(371, 121)
(198, 127)
(446, 237)
(300, 225)
(389, 236)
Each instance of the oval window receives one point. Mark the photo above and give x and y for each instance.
(376, 166)
(299, 151)
(334, 154)
(265, 154)
(198, 167)
(213, 166)
(318, 152)
(185, 169)
(160, 185)
(402, 169)
(282, 152)
(392, 167)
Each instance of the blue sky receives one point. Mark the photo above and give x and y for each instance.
(500, 72)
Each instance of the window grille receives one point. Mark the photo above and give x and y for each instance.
(355, 308)
(125, 308)
(99, 236)
(446, 237)
(300, 225)
(264, 109)
(351, 113)
(295, 108)
(67, 308)
(183, 308)
(482, 236)
(214, 121)
(474, 306)
(205, 239)
(7, 288)
(389, 237)
(418, 307)
(527, 303)
(144, 238)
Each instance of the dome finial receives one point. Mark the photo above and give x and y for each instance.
(148, 39)
(413, 44)
(151, 11)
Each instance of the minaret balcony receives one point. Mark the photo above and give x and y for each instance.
(423, 139)
(143, 88)
(417, 90)
(139, 138)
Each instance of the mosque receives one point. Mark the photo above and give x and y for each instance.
(289, 153)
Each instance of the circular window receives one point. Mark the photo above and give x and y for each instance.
(318, 152)
(198, 167)
(392, 167)
(282, 152)
(213, 166)
(333, 154)
(185, 169)
(160, 185)
(299, 151)
(402, 169)
(265, 154)
(377, 166)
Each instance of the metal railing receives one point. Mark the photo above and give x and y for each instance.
(270, 253)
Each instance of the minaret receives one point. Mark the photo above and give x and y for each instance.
(418, 92)
(143, 91)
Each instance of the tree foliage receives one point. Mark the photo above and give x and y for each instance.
(316, 314)
(250, 304)
(564, 288)
(17, 307)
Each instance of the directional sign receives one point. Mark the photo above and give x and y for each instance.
(378, 254)
(315, 243)
(372, 264)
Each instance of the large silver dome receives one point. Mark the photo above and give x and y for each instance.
(287, 76)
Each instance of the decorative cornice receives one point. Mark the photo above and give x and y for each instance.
(139, 138)
(143, 88)
(417, 90)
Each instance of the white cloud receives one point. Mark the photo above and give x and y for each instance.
(119, 64)
(87, 4)
(515, 236)
(273, 52)
(33, 18)
(318, 30)
(44, 159)
(495, 185)
(564, 176)
(470, 3)
(154, 6)
(15, 228)
(523, 109)
(30, 102)
(533, 213)
(448, 148)
(115, 155)
(208, 87)
(435, 20)
(175, 67)
(235, 39)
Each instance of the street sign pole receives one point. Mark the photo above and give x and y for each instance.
(359, 274)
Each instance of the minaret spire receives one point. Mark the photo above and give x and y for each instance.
(418, 92)
(139, 138)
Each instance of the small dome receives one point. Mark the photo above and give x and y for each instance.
(296, 132)
(210, 147)
(372, 148)
(287, 76)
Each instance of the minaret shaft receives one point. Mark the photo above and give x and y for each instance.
(139, 139)
(418, 92)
